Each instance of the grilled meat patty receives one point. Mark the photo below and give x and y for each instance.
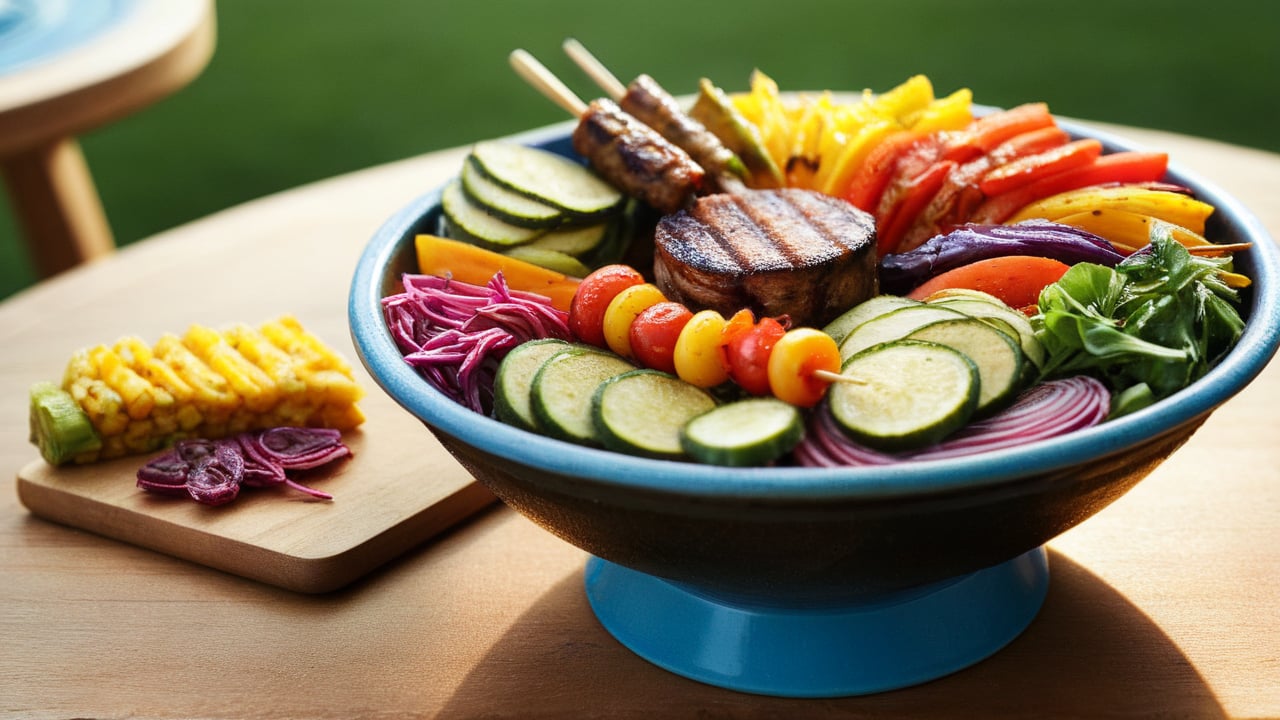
(779, 252)
(634, 158)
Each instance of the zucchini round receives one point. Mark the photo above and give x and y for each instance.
(997, 357)
(754, 431)
(514, 379)
(506, 204)
(642, 412)
(546, 176)
(563, 388)
(907, 394)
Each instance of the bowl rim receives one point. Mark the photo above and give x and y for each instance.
(381, 357)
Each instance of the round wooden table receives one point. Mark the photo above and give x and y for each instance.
(68, 70)
(1165, 604)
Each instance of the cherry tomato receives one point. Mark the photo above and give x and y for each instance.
(698, 357)
(655, 332)
(793, 362)
(748, 355)
(622, 312)
(592, 298)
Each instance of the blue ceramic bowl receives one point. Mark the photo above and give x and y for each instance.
(802, 537)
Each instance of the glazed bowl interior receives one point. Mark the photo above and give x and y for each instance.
(809, 534)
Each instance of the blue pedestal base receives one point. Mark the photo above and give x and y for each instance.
(829, 652)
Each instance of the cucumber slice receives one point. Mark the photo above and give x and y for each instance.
(471, 223)
(912, 394)
(997, 356)
(976, 307)
(58, 426)
(511, 385)
(507, 205)
(563, 387)
(551, 260)
(549, 177)
(643, 411)
(864, 311)
(574, 241)
(893, 325)
(755, 431)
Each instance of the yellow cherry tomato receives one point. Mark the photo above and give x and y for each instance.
(622, 311)
(792, 365)
(698, 358)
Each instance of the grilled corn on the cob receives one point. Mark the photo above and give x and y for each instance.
(204, 383)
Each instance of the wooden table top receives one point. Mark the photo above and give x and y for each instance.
(1165, 604)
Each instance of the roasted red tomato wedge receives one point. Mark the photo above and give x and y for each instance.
(747, 354)
(592, 298)
(654, 333)
(1030, 168)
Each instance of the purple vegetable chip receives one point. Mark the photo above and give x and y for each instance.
(296, 448)
(215, 479)
(165, 474)
(260, 470)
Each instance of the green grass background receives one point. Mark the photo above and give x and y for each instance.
(300, 90)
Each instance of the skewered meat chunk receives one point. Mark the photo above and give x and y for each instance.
(649, 103)
(779, 252)
(635, 158)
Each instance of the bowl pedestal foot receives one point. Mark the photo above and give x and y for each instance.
(874, 646)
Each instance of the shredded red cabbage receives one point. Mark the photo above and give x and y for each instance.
(455, 334)
(1044, 411)
(212, 472)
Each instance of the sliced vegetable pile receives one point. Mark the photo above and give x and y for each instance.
(1030, 284)
(211, 472)
(131, 397)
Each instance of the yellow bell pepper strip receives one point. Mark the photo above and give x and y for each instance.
(468, 263)
(952, 112)
(1172, 207)
(1128, 231)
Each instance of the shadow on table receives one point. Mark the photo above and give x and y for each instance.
(1089, 648)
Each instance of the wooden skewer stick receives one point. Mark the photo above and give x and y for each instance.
(594, 69)
(528, 67)
(837, 377)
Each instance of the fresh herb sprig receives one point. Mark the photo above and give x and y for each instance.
(1147, 328)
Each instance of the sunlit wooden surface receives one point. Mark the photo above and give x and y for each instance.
(1166, 604)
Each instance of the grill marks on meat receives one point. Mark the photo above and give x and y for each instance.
(779, 252)
(635, 158)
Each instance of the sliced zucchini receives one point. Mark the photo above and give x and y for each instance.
(755, 431)
(59, 427)
(505, 204)
(976, 307)
(511, 385)
(964, 293)
(471, 223)
(864, 311)
(563, 387)
(913, 394)
(643, 411)
(997, 356)
(549, 177)
(893, 325)
(574, 241)
(551, 260)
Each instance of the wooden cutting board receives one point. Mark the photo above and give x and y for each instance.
(399, 488)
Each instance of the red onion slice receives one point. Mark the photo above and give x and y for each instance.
(1044, 411)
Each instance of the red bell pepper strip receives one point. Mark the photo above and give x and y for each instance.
(915, 198)
(1034, 167)
(1122, 167)
(986, 133)
(869, 180)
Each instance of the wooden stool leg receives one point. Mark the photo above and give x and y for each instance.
(57, 205)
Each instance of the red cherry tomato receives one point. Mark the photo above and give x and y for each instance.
(654, 333)
(592, 298)
(748, 355)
